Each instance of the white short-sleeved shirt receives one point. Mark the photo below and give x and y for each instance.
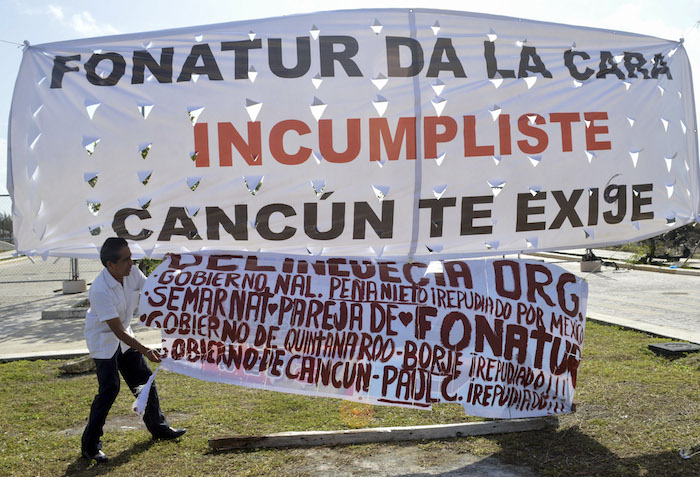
(109, 299)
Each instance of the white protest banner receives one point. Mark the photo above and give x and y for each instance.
(500, 337)
(387, 133)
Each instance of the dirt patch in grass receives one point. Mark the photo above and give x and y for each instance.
(121, 423)
(407, 459)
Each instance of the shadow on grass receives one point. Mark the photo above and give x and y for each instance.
(81, 466)
(549, 452)
(571, 451)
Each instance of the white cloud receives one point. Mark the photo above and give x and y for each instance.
(56, 12)
(85, 24)
(640, 22)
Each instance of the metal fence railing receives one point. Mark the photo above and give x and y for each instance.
(15, 269)
(34, 269)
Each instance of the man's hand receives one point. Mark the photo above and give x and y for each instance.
(118, 329)
(152, 355)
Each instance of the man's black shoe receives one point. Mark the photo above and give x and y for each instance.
(98, 457)
(169, 433)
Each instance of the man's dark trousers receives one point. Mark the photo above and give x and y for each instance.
(136, 372)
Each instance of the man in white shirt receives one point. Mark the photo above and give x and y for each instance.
(114, 296)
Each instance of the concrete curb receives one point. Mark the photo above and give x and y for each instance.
(636, 325)
(64, 354)
(621, 264)
(12, 260)
(67, 354)
(63, 313)
(67, 310)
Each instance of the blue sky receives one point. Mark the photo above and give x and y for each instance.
(42, 21)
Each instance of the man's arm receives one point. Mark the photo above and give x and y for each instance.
(117, 328)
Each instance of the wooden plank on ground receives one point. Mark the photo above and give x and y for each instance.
(377, 434)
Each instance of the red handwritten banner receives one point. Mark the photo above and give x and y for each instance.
(501, 337)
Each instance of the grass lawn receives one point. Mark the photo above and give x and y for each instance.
(635, 412)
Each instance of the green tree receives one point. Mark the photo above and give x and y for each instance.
(5, 226)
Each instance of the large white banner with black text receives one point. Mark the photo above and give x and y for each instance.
(386, 133)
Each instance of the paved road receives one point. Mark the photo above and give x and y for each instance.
(667, 305)
(659, 303)
(23, 332)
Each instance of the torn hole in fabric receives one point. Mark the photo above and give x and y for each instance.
(380, 105)
(634, 155)
(192, 210)
(380, 191)
(94, 206)
(253, 183)
(670, 188)
(438, 86)
(91, 107)
(193, 182)
(314, 32)
(669, 161)
(194, 113)
(434, 248)
(497, 82)
(37, 110)
(439, 190)
(144, 149)
(252, 74)
(145, 110)
(91, 178)
(530, 81)
(317, 108)
(380, 81)
(535, 160)
(144, 202)
(144, 176)
(253, 108)
(318, 185)
(90, 144)
(496, 186)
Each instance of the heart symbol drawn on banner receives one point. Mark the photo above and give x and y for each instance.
(405, 317)
(272, 307)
